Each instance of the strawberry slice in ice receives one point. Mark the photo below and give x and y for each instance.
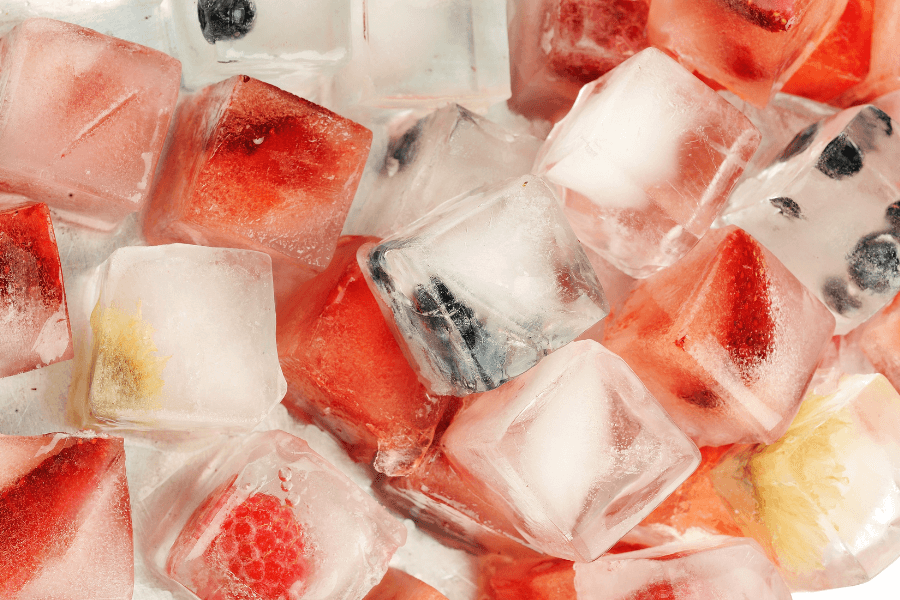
(259, 552)
(41, 512)
(771, 15)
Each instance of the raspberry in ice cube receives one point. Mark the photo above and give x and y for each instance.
(723, 568)
(484, 286)
(34, 319)
(181, 337)
(347, 372)
(272, 519)
(557, 46)
(645, 159)
(726, 339)
(826, 207)
(59, 496)
(85, 116)
(577, 448)
(822, 500)
(252, 166)
(751, 48)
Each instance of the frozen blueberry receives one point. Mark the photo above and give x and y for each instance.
(841, 158)
(403, 150)
(874, 264)
(837, 296)
(800, 143)
(892, 214)
(225, 19)
(787, 207)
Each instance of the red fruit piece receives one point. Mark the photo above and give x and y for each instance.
(259, 552)
(40, 514)
(658, 590)
(771, 15)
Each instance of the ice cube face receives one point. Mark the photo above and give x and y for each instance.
(252, 166)
(877, 339)
(157, 361)
(726, 340)
(85, 117)
(577, 447)
(445, 154)
(825, 207)
(349, 374)
(750, 48)
(792, 496)
(398, 585)
(479, 290)
(276, 520)
(410, 54)
(34, 319)
(60, 496)
(279, 41)
(528, 579)
(726, 568)
(557, 46)
(636, 186)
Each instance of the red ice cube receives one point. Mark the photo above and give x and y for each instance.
(397, 585)
(34, 320)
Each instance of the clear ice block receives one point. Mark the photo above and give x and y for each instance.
(726, 339)
(270, 518)
(181, 337)
(34, 319)
(827, 208)
(646, 158)
(65, 518)
(723, 568)
(577, 448)
(85, 117)
(823, 500)
(483, 287)
(252, 166)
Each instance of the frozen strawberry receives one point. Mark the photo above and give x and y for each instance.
(771, 15)
(41, 512)
(259, 552)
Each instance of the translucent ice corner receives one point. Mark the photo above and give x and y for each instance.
(65, 518)
(577, 448)
(483, 287)
(723, 568)
(85, 117)
(34, 319)
(823, 500)
(181, 337)
(270, 518)
(646, 159)
(827, 207)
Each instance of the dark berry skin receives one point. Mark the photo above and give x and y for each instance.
(800, 143)
(841, 158)
(787, 207)
(225, 19)
(405, 148)
(837, 297)
(874, 265)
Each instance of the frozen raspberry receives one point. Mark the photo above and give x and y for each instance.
(259, 551)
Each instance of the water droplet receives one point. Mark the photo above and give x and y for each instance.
(286, 486)
(285, 473)
(292, 500)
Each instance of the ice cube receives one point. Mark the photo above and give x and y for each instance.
(182, 337)
(480, 289)
(576, 447)
(398, 585)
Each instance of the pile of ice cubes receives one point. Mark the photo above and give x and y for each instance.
(507, 299)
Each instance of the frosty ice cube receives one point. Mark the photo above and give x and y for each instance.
(877, 339)
(181, 337)
(273, 519)
(252, 166)
(282, 42)
(826, 208)
(398, 585)
(726, 339)
(423, 55)
(441, 156)
(34, 319)
(722, 568)
(85, 117)
(576, 447)
(479, 290)
(751, 48)
(822, 500)
(65, 518)
(557, 46)
(347, 372)
(646, 158)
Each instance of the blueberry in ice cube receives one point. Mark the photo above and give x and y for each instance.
(225, 19)
(787, 207)
(838, 298)
(841, 158)
(874, 264)
(800, 143)
(402, 151)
